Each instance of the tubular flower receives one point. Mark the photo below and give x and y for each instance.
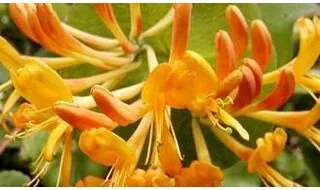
(210, 175)
(309, 50)
(185, 81)
(40, 20)
(41, 86)
(268, 148)
(188, 81)
(303, 122)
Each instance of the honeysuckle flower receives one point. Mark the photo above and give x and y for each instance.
(309, 50)
(40, 20)
(268, 149)
(41, 86)
(303, 122)
(185, 81)
(210, 174)
(188, 81)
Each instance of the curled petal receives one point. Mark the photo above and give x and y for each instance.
(180, 30)
(261, 43)
(239, 29)
(115, 109)
(200, 174)
(226, 57)
(158, 178)
(275, 99)
(105, 147)
(82, 118)
(268, 149)
(106, 13)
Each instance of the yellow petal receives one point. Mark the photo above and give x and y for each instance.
(180, 30)
(39, 84)
(54, 137)
(105, 147)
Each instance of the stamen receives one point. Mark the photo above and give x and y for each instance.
(110, 172)
(201, 146)
(11, 101)
(149, 144)
(312, 75)
(313, 135)
(33, 128)
(170, 126)
(230, 121)
(40, 174)
(5, 85)
(311, 93)
(215, 123)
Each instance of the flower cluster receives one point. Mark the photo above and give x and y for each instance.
(216, 97)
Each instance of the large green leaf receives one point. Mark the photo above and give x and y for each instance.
(12, 178)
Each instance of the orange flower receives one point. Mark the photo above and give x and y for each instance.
(267, 150)
(308, 53)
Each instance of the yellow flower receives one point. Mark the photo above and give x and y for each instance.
(308, 53)
(267, 150)
(303, 122)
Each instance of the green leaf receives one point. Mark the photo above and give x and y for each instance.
(12, 178)
(238, 176)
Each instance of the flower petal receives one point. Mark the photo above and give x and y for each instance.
(105, 12)
(246, 88)
(115, 109)
(239, 29)
(105, 147)
(82, 118)
(18, 14)
(180, 30)
(226, 57)
(55, 135)
(275, 99)
(136, 20)
(261, 43)
(230, 83)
